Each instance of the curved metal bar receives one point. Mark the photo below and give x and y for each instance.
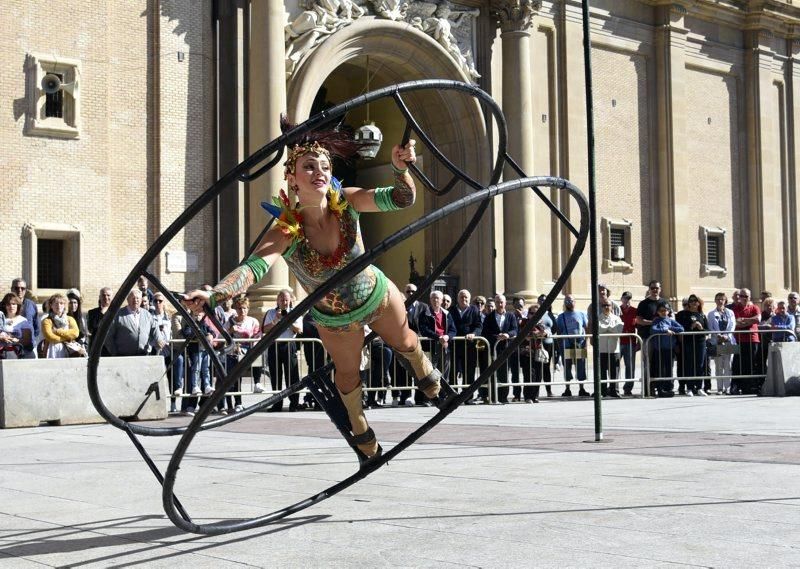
(432, 147)
(312, 123)
(375, 463)
(557, 212)
(258, 173)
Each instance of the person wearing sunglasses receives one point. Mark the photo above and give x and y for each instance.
(646, 313)
(28, 307)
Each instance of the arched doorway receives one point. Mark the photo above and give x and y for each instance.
(397, 53)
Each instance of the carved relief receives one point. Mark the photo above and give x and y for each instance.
(514, 15)
(452, 28)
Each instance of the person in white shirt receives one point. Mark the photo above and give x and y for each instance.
(721, 319)
(282, 356)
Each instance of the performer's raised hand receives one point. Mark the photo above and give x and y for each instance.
(402, 156)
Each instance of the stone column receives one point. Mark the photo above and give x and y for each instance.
(514, 17)
(793, 98)
(574, 136)
(266, 101)
(763, 164)
(673, 167)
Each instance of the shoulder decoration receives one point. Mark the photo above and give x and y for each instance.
(336, 200)
(288, 218)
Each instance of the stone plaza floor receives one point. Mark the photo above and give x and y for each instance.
(692, 482)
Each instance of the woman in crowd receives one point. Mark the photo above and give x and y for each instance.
(768, 310)
(721, 319)
(693, 346)
(60, 331)
(17, 339)
(317, 232)
(241, 327)
(664, 329)
(608, 326)
(74, 310)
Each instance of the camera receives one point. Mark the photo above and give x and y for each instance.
(284, 312)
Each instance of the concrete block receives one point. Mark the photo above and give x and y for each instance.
(55, 391)
(783, 370)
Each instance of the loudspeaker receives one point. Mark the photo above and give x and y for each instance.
(51, 83)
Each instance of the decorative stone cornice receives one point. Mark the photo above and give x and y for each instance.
(514, 15)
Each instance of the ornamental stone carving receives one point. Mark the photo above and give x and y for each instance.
(452, 27)
(514, 15)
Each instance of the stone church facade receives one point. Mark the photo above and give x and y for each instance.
(695, 117)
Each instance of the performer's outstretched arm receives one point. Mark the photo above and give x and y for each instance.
(390, 198)
(245, 275)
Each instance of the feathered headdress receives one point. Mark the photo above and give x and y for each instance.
(328, 142)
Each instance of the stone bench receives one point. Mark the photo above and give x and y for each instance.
(783, 370)
(55, 391)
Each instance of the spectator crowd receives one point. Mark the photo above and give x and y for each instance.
(728, 343)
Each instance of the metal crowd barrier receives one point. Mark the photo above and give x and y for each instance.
(384, 377)
(523, 365)
(744, 362)
(303, 356)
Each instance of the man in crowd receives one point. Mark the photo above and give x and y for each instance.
(133, 332)
(467, 319)
(402, 379)
(95, 314)
(498, 327)
(573, 322)
(447, 302)
(437, 325)
(645, 314)
(144, 286)
(792, 309)
(748, 360)
(282, 356)
(28, 308)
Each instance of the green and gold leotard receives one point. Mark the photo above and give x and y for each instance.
(355, 303)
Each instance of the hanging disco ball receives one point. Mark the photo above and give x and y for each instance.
(369, 137)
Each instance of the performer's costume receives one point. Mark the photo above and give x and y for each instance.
(352, 305)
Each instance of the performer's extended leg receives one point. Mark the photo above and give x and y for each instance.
(345, 351)
(392, 326)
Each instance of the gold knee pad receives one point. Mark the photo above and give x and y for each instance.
(364, 436)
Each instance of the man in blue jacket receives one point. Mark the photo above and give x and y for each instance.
(499, 326)
(467, 319)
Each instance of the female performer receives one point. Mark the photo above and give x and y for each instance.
(317, 232)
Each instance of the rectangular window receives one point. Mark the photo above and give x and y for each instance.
(617, 243)
(713, 247)
(712, 252)
(50, 263)
(54, 102)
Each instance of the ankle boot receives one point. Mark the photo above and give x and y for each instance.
(428, 377)
(364, 436)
